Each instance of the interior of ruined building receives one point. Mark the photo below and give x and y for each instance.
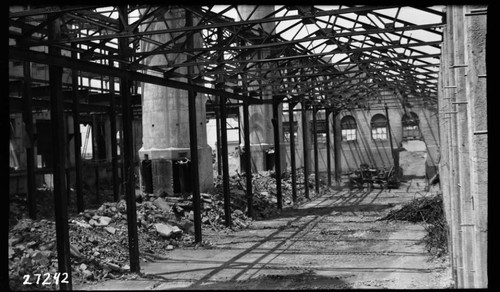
(120, 102)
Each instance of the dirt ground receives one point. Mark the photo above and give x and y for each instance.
(333, 241)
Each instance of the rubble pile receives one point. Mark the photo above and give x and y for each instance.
(99, 237)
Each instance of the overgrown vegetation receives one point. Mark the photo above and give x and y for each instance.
(429, 211)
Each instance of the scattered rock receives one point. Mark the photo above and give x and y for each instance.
(161, 204)
(110, 229)
(167, 230)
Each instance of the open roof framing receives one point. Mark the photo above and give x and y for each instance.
(318, 53)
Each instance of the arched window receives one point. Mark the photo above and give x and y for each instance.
(348, 128)
(379, 127)
(410, 123)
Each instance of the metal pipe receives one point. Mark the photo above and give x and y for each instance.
(193, 143)
(306, 150)
(291, 105)
(60, 198)
(77, 137)
(315, 141)
(128, 153)
(277, 152)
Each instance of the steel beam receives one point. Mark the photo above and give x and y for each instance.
(336, 147)
(193, 144)
(306, 149)
(30, 148)
(328, 160)
(277, 151)
(248, 159)
(112, 121)
(225, 164)
(42, 58)
(291, 105)
(77, 139)
(316, 158)
(128, 155)
(60, 196)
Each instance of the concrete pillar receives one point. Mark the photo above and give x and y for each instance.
(475, 46)
(165, 118)
(261, 127)
(461, 107)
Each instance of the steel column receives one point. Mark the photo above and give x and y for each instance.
(277, 152)
(112, 121)
(95, 153)
(77, 137)
(291, 105)
(336, 148)
(225, 164)
(315, 141)
(328, 160)
(60, 198)
(128, 152)
(217, 129)
(30, 148)
(306, 150)
(193, 141)
(396, 167)
(248, 159)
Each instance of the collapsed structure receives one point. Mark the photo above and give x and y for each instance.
(326, 89)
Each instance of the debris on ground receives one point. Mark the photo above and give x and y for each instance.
(429, 211)
(99, 236)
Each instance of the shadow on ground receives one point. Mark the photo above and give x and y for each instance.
(306, 280)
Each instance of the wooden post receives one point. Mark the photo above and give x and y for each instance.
(60, 198)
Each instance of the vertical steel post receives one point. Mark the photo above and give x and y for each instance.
(217, 129)
(30, 148)
(328, 160)
(248, 159)
(77, 137)
(291, 105)
(315, 141)
(396, 167)
(57, 121)
(336, 148)
(128, 150)
(193, 141)
(225, 164)
(95, 152)
(112, 121)
(306, 150)
(277, 152)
